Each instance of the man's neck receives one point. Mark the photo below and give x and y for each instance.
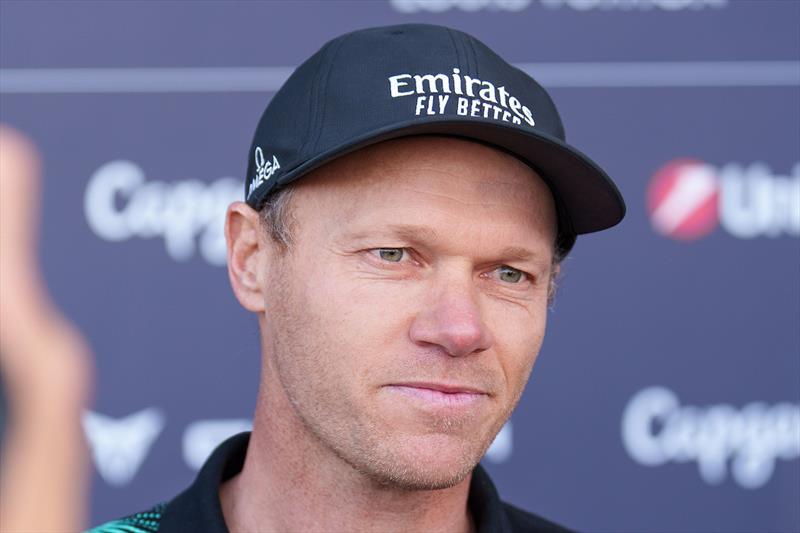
(290, 482)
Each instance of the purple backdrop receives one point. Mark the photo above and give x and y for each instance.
(667, 395)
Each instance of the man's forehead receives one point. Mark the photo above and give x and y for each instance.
(454, 188)
(459, 163)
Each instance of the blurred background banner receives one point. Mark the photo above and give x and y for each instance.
(667, 394)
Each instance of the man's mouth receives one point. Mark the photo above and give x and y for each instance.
(440, 394)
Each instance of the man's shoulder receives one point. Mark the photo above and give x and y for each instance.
(149, 521)
(493, 514)
(145, 522)
(522, 521)
(198, 507)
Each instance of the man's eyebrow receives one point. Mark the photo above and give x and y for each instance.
(414, 232)
(518, 253)
(408, 232)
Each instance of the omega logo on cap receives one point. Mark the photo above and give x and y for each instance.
(264, 169)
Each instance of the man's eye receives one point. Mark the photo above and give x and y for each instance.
(393, 255)
(510, 275)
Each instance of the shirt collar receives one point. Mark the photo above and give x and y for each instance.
(198, 508)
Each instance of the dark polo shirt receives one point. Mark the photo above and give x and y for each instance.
(198, 508)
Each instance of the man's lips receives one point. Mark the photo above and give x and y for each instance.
(440, 394)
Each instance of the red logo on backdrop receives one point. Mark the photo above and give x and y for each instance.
(683, 199)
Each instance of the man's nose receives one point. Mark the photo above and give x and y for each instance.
(451, 319)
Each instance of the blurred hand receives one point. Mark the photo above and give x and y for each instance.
(44, 364)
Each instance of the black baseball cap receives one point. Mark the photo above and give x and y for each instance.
(384, 83)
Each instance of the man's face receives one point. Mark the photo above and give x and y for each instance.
(403, 322)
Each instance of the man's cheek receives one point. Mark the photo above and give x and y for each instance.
(374, 305)
(518, 359)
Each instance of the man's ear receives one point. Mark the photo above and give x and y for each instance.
(247, 255)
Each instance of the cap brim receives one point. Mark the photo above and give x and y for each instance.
(588, 196)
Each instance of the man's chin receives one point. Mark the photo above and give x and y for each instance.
(414, 478)
(422, 463)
